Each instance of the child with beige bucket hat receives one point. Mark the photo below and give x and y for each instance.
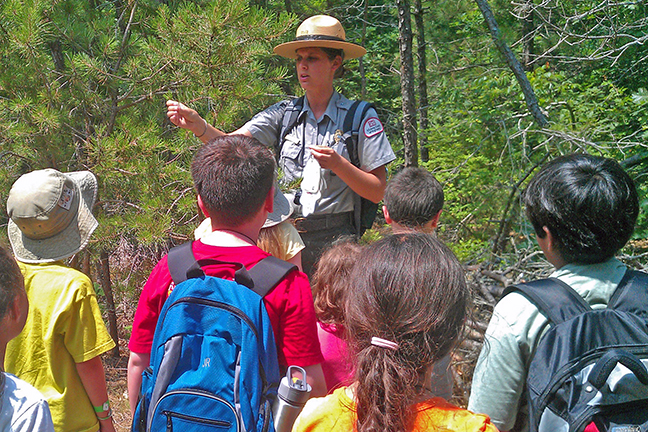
(58, 352)
(311, 150)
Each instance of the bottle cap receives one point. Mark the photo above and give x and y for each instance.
(293, 389)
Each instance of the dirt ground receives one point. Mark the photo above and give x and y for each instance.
(117, 391)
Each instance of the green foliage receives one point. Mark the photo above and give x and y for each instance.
(83, 85)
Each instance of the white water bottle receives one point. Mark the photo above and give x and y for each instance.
(292, 395)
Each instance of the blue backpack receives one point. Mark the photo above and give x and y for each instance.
(213, 359)
(589, 369)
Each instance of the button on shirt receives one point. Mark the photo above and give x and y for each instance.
(335, 196)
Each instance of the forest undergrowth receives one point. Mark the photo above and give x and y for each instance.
(487, 281)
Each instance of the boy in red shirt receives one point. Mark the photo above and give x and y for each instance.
(233, 177)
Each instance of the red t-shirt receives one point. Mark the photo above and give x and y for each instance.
(289, 304)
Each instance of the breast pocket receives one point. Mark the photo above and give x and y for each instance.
(291, 159)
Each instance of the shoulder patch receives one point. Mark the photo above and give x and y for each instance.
(372, 127)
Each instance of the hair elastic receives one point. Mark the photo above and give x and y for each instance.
(384, 343)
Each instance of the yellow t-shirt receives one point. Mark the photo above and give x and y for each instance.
(336, 412)
(64, 327)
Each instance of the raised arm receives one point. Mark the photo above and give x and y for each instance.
(187, 118)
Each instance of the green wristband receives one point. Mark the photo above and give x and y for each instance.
(103, 407)
(109, 415)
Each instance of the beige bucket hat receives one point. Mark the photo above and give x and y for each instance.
(320, 31)
(51, 214)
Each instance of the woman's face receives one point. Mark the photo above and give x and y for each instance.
(315, 70)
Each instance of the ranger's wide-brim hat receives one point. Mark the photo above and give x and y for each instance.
(51, 214)
(320, 31)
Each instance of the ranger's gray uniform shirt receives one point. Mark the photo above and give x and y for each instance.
(335, 196)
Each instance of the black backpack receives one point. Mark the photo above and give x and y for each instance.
(590, 366)
(364, 210)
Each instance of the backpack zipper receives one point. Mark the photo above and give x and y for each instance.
(196, 393)
(171, 414)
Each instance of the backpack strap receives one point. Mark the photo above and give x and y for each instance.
(182, 263)
(268, 272)
(351, 131)
(351, 128)
(293, 108)
(554, 298)
(632, 293)
(261, 279)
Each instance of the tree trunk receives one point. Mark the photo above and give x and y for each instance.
(363, 77)
(103, 270)
(528, 28)
(422, 80)
(407, 82)
(513, 63)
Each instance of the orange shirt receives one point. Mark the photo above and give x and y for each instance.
(336, 412)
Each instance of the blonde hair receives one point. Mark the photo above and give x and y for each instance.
(270, 240)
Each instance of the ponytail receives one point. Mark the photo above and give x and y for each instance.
(409, 290)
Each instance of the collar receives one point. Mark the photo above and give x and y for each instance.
(336, 101)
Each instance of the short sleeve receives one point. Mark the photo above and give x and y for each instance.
(84, 332)
(291, 303)
(36, 417)
(265, 126)
(154, 293)
(24, 409)
(290, 239)
(374, 149)
(500, 373)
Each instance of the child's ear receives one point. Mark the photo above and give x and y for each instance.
(269, 201)
(18, 312)
(435, 220)
(386, 214)
(201, 206)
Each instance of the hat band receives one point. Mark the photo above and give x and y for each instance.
(319, 38)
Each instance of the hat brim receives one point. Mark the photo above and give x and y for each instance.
(281, 209)
(289, 49)
(72, 239)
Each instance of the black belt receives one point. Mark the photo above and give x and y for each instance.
(323, 222)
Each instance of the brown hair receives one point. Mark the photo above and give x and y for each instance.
(411, 290)
(331, 279)
(233, 175)
(331, 53)
(11, 281)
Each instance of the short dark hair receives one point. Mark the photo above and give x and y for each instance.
(233, 175)
(413, 197)
(588, 203)
(11, 281)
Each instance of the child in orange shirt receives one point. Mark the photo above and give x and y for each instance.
(406, 310)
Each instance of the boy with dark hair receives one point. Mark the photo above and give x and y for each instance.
(24, 408)
(583, 209)
(233, 176)
(413, 201)
(59, 352)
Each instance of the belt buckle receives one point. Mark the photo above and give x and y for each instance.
(297, 222)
